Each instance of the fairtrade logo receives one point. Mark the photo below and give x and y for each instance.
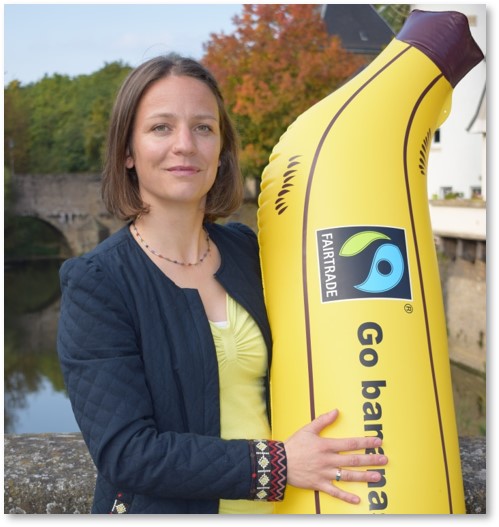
(387, 267)
(363, 262)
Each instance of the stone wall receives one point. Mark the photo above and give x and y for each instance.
(464, 288)
(47, 474)
(54, 474)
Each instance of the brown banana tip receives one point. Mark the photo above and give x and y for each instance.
(445, 38)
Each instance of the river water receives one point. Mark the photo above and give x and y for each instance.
(35, 400)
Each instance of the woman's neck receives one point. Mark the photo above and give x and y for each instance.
(180, 237)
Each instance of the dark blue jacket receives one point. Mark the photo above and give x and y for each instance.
(141, 371)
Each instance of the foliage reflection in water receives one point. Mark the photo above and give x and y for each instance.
(35, 399)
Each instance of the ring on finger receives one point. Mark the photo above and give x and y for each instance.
(338, 474)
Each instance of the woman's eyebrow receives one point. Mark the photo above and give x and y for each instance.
(168, 115)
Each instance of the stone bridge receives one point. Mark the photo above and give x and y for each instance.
(70, 203)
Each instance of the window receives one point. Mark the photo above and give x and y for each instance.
(476, 192)
(445, 191)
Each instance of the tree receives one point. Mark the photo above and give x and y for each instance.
(15, 128)
(103, 87)
(394, 14)
(279, 62)
(59, 124)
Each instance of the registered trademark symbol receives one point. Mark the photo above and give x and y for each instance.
(408, 308)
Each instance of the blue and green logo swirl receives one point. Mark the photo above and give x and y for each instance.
(363, 262)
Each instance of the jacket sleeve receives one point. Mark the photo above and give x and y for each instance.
(102, 366)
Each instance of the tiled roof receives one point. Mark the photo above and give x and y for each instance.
(359, 27)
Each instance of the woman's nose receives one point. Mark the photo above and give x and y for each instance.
(184, 142)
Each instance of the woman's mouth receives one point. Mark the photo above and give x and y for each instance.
(183, 170)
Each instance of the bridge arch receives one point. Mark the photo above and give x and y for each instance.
(71, 203)
(42, 236)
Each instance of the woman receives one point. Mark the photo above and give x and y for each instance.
(163, 337)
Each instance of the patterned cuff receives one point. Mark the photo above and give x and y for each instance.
(269, 474)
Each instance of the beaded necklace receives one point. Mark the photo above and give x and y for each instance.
(156, 253)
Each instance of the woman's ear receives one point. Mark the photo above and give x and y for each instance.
(129, 163)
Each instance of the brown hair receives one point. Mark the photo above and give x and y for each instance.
(120, 188)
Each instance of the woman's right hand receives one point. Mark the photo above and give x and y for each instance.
(314, 461)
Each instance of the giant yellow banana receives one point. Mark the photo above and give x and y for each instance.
(351, 278)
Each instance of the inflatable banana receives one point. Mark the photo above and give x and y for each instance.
(351, 278)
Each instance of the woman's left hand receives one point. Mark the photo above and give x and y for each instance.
(316, 462)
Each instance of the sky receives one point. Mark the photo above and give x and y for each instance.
(74, 39)
(79, 38)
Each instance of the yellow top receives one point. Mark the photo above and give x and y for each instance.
(242, 364)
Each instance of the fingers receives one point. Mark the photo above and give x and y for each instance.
(350, 476)
(360, 460)
(341, 494)
(352, 444)
(345, 444)
(319, 423)
(368, 476)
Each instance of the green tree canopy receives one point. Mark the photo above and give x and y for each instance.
(59, 124)
(394, 14)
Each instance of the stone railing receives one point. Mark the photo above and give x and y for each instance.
(53, 474)
(47, 474)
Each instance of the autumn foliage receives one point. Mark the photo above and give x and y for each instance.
(278, 62)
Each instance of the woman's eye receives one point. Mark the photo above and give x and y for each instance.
(204, 128)
(161, 128)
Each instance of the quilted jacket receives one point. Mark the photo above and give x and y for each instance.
(140, 368)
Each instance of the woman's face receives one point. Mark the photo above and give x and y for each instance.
(176, 142)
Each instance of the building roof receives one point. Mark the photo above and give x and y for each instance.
(359, 27)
